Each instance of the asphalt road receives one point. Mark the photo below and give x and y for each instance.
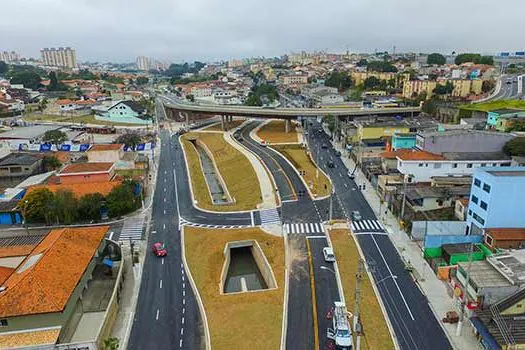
(167, 316)
(509, 89)
(412, 319)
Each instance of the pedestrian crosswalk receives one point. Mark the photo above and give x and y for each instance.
(304, 228)
(270, 216)
(366, 226)
(133, 229)
(184, 222)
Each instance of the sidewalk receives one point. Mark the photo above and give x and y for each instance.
(434, 289)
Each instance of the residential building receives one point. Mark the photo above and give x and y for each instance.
(403, 141)
(18, 166)
(503, 119)
(9, 56)
(422, 166)
(294, 79)
(461, 140)
(143, 63)
(86, 172)
(429, 198)
(105, 153)
(496, 199)
(67, 105)
(460, 208)
(371, 130)
(48, 283)
(123, 112)
(65, 57)
(505, 238)
(462, 87)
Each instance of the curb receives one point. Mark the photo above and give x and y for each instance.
(195, 291)
(284, 330)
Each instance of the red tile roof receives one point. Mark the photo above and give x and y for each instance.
(420, 155)
(394, 154)
(81, 189)
(106, 147)
(509, 234)
(46, 279)
(86, 168)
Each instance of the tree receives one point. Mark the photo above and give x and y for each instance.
(55, 137)
(444, 89)
(362, 63)
(487, 86)
(142, 80)
(36, 205)
(122, 199)
(111, 343)
(29, 79)
(190, 97)
(89, 206)
(339, 80)
(515, 147)
(131, 139)
(371, 83)
(430, 106)
(54, 84)
(3, 67)
(474, 58)
(436, 58)
(66, 207)
(381, 66)
(51, 163)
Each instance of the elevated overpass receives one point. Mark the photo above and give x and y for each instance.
(184, 111)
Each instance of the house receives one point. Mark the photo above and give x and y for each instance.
(79, 189)
(403, 141)
(45, 282)
(504, 238)
(431, 198)
(9, 213)
(500, 325)
(124, 112)
(496, 199)
(17, 166)
(460, 208)
(67, 105)
(105, 153)
(86, 172)
(421, 166)
(494, 116)
(461, 140)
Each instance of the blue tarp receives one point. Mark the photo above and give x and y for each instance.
(487, 341)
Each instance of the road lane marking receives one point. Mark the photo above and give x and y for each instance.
(111, 235)
(340, 174)
(157, 317)
(253, 219)
(184, 292)
(181, 331)
(164, 211)
(163, 226)
(183, 310)
(395, 280)
(346, 186)
(160, 284)
(180, 344)
(164, 189)
(183, 301)
(164, 200)
(183, 320)
(162, 261)
(314, 298)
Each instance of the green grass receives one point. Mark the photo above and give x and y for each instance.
(376, 333)
(319, 185)
(217, 127)
(274, 132)
(85, 119)
(235, 169)
(488, 106)
(236, 321)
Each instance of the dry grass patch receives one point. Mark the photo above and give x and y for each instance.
(376, 333)
(235, 169)
(217, 127)
(319, 185)
(274, 132)
(236, 321)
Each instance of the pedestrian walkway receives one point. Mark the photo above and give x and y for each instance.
(183, 222)
(133, 229)
(304, 228)
(269, 216)
(366, 226)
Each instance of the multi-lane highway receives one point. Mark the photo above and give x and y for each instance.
(510, 88)
(412, 319)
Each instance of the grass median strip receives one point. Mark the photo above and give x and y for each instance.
(238, 320)
(235, 169)
(297, 155)
(376, 333)
(218, 127)
(274, 132)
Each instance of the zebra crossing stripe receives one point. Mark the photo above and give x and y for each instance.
(301, 228)
(352, 224)
(312, 228)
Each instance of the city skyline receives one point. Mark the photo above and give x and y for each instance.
(204, 30)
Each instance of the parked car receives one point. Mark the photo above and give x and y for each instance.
(324, 146)
(330, 164)
(159, 249)
(338, 153)
(356, 216)
(351, 174)
(328, 254)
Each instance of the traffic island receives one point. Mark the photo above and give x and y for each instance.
(274, 132)
(235, 173)
(375, 332)
(237, 319)
(316, 180)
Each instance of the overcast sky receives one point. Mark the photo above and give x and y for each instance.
(176, 30)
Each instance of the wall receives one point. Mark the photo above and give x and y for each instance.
(505, 200)
(76, 179)
(104, 156)
(403, 142)
(121, 111)
(376, 132)
(464, 142)
(439, 240)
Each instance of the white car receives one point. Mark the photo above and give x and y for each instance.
(328, 254)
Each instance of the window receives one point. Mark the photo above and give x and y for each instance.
(454, 165)
(477, 182)
(469, 165)
(489, 240)
(478, 218)
(470, 212)
(437, 165)
(3, 322)
(483, 165)
(474, 199)
(420, 165)
(483, 205)
(486, 188)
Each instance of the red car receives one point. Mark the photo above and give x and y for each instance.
(159, 249)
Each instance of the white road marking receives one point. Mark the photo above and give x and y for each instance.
(393, 279)
(253, 219)
(183, 301)
(346, 186)
(181, 331)
(180, 344)
(183, 277)
(163, 226)
(157, 317)
(183, 320)
(164, 200)
(111, 235)
(184, 285)
(164, 189)
(184, 292)
(340, 174)
(183, 310)
(162, 261)
(164, 211)
(312, 237)
(160, 284)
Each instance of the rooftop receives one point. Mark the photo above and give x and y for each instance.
(511, 264)
(476, 156)
(456, 132)
(81, 189)
(502, 234)
(507, 173)
(86, 168)
(419, 155)
(484, 274)
(19, 159)
(32, 338)
(27, 132)
(46, 278)
(108, 147)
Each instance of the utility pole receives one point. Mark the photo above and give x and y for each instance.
(357, 297)
(317, 161)
(465, 294)
(331, 205)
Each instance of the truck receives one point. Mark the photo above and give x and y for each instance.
(341, 333)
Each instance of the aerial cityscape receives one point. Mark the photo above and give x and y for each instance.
(300, 176)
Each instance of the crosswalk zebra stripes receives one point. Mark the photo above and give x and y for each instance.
(132, 229)
(367, 226)
(270, 216)
(183, 222)
(304, 228)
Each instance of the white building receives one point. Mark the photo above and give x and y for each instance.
(9, 56)
(59, 57)
(143, 63)
(421, 166)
